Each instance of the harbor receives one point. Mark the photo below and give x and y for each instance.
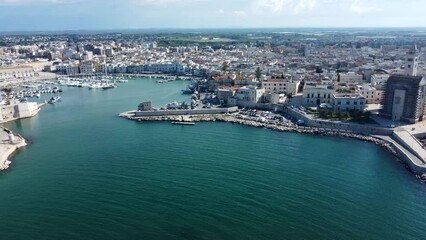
(83, 153)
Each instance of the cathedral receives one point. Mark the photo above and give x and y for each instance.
(405, 94)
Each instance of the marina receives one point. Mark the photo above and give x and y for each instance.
(157, 119)
(165, 181)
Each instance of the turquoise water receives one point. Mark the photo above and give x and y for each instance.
(92, 175)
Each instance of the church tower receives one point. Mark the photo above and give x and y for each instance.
(412, 61)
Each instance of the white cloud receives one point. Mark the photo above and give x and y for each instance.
(239, 13)
(303, 5)
(358, 7)
(25, 2)
(268, 5)
(164, 2)
(220, 12)
(291, 6)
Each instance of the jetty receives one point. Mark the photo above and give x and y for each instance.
(9, 144)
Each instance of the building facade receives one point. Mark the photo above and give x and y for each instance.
(281, 85)
(348, 102)
(317, 94)
(405, 98)
(371, 94)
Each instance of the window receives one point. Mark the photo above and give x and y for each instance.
(347, 103)
(409, 66)
(339, 102)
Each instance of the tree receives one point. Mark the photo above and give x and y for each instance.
(225, 66)
(258, 74)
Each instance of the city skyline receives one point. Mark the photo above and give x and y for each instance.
(57, 15)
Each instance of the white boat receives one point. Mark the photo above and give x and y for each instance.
(184, 123)
(54, 99)
(173, 105)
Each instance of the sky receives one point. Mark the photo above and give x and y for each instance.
(49, 15)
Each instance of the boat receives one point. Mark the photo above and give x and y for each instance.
(190, 89)
(108, 86)
(54, 99)
(173, 105)
(183, 123)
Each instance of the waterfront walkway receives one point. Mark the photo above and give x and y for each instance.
(417, 162)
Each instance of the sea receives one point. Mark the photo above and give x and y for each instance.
(89, 174)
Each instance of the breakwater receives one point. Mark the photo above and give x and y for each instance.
(185, 112)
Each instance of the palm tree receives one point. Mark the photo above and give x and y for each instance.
(225, 66)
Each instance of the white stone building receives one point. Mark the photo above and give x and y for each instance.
(371, 94)
(348, 102)
(281, 85)
(350, 78)
(87, 68)
(314, 95)
(377, 79)
(249, 94)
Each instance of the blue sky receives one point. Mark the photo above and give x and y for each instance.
(22, 15)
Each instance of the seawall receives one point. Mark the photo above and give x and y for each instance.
(185, 112)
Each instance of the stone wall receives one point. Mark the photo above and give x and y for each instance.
(365, 129)
(186, 112)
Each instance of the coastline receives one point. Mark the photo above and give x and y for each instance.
(377, 140)
(7, 149)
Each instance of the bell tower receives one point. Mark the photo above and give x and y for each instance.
(412, 61)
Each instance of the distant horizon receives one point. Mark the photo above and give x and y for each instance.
(74, 15)
(180, 29)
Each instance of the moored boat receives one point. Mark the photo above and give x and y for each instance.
(54, 99)
(183, 123)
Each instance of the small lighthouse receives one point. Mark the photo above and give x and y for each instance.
(11, 137)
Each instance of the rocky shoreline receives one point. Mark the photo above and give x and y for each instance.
(279, 127)
(9, 147)
(7, 151)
